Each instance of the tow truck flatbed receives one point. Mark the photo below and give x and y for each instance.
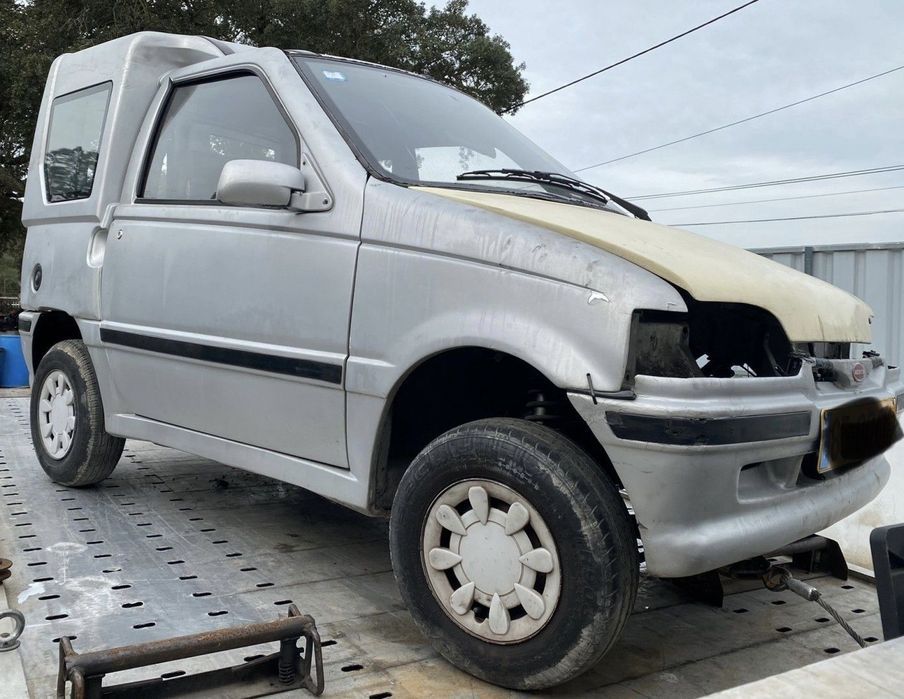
(173, 544)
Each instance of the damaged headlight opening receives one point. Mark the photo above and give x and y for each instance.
(717, 340)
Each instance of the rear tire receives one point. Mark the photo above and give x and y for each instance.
(67, 418)
(519, 617)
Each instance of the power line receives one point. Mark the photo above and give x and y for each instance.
(788, 218)
(629, 58)
(742, 121)
(764, 201)
(770, 183)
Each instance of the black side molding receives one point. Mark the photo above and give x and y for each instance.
(304, 368)
(24, 324)
(690, 431)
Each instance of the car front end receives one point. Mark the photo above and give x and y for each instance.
(729, 426)
(738, 451)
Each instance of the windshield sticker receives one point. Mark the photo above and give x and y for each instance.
(334, 75)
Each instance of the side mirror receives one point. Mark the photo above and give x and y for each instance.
(265, 183)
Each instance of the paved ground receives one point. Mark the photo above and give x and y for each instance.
(173, 544)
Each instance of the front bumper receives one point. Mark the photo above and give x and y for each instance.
(702, 503)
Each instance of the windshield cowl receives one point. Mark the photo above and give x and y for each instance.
(559, 180)
(531, 191)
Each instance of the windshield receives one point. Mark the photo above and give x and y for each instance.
(418, 131)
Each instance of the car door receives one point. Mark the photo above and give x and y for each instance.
(225, 320)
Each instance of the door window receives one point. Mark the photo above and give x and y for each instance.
(207, 124)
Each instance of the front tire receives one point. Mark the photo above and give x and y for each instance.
(67, 418)
(514, 553)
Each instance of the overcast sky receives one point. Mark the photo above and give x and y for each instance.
(769, 54)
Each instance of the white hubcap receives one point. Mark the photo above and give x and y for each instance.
(56, 414)
(491, 561)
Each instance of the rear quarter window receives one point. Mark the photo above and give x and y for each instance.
(73, 142)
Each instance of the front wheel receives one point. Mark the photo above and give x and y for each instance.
(67, 418)
(514, 553)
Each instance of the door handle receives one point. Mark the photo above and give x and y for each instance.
(97, 247)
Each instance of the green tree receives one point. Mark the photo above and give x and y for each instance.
(445, 43)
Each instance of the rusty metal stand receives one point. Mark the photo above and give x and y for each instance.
(278, 672)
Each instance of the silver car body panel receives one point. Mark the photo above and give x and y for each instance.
(434, 275)
(135, 64)
(282, 284)
(703, 506)
(708, 269)
(180, 303)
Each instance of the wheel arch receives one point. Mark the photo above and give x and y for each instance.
(453, 386)
(50, 328)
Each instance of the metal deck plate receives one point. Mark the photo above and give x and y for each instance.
(173, 544)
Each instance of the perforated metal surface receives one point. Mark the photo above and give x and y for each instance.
(172, 544)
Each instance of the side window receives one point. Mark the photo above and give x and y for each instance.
(73, 142)
(206, 125)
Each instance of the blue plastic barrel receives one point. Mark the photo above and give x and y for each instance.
(13, 372)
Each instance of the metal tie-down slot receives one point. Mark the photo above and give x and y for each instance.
(289, 668)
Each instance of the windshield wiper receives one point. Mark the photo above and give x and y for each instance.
(554, 178)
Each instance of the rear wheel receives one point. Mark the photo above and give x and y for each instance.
(67, 418)
(514, 553)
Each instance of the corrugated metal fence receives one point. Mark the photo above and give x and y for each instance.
(874, 272)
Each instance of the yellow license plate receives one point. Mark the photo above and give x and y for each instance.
(855, 432)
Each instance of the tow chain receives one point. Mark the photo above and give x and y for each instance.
(778, 578)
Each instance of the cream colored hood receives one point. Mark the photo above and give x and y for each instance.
(809, 309)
